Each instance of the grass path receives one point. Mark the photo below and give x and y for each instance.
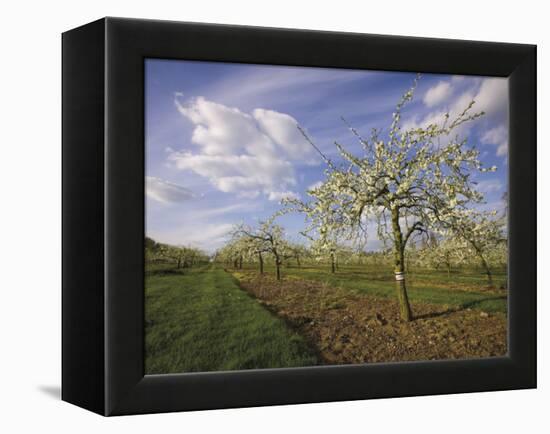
(200, 320)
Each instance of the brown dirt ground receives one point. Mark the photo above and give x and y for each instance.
(349, 328)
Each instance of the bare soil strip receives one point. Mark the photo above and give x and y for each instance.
(351, 328)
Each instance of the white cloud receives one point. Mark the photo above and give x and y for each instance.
(489, 186)
(280, 195)
(438, 93)
(315, 185)
(241, 153)
(496, 205)
(206, 236)
(283, 130)
(416, 121)
(246, 175)
(166, 192)
(221, 130)
(209, 236)
(490, 96)
(209, 213)
(438, 117)
(497, 136)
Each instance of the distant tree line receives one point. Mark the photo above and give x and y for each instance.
(179, 256)
(484, 250)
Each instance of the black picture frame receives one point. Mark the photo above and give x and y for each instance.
(103, 216)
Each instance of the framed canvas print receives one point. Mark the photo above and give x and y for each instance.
(258, 216)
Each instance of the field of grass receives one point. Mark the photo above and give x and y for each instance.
(200, 320)
(208, 319)
(461, 289)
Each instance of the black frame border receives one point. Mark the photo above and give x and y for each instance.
(127, 43)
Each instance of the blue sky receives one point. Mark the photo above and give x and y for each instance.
(222, 146)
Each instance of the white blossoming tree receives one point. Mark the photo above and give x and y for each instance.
(233, 252)
(330, 250)
(484, 233)
(268, 237)
(405, 181)
(448, 252)
(298, 252)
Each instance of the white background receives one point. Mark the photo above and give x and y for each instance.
(30, 186)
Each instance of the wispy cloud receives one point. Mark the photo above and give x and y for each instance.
(490, 186)
(222, 211)
(204, 235)
(166, 192)
(277, 196)
(497, 136)
(437, 94)
(490, 96)
(280, 84)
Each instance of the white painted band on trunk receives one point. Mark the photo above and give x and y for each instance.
(399, 276)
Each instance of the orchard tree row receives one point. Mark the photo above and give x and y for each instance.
(266, 244)
(179, 256)
(408, 183)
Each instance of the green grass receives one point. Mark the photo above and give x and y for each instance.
(462, 289)
(200, 320)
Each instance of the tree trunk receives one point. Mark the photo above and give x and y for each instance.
(487, 271)
(278, 266)
(332, 267)
(298, 261)
(399, 258)
(261, 259)
(241, 262)
(484, 264)
(235, 263)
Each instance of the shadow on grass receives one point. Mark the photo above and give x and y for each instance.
(468, 305)
(474, 303)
